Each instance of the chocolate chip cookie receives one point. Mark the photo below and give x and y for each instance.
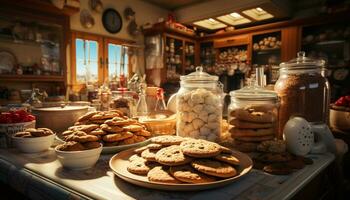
(200, 148)
(214, 168)
(188, 174)
(172, 156)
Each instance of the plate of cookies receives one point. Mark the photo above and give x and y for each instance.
(114, 130)
(180, 164)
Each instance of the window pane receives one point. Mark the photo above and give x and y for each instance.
(115, 60)
(86, 61)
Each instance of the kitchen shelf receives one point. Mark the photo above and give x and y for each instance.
(266, 51)
(31, 78)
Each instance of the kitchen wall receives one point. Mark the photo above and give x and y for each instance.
(145, 12)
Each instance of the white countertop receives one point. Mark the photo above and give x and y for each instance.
(100, 183)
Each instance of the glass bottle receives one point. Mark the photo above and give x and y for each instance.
(160, 104)
(141, 107)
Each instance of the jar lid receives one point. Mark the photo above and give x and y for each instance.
(303, 62)
(254, 93)
(199, 75)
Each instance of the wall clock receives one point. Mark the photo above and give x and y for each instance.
(112, 20)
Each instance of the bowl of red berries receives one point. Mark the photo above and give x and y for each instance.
(14, 121)
(339, 115)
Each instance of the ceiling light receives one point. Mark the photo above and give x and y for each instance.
(258, 14)
(233, 19)
(210, 23)
(235, 15)
(259, 9)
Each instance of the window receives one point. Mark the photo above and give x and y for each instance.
(96, 59)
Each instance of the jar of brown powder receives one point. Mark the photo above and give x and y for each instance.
(303, 90)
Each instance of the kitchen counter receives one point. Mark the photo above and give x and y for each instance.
(40, 176)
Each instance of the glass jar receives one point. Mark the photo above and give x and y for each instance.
(124, 101)
(303, 90)
(253, 111)
(199, 106)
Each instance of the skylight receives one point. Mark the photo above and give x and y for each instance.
(234, 19)
(258, 14)
(210, 23)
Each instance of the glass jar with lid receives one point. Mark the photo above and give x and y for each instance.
(199, 106)
(303, 90)
(253, 111)
(124, 100)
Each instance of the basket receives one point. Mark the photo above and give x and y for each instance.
(166, 126)
(7, 130)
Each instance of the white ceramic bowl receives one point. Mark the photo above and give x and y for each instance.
(339, 119)
(33, 145)
(78, 160)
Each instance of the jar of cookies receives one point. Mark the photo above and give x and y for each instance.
(253, 114)
(199, 106)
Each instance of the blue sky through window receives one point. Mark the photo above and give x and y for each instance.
(87, 64)
(114, 61)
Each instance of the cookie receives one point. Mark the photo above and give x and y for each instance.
(117, 136)
(250, 125)
(250, 115)
(87, 116)
(225, 150)
(273, 157)
(149, 146)
(149, 155)
(104, 116)
(133, 128)
(23, 134)
(245, 146)
(272, 146)
(132, 140)
(47, 131)
(160, 174)
(119, 112)
(99, 122)
(255, 139)
(278, 169)
(71, 146)
(120, 121)
(80, 136)
(68, 132)
(85, 128)
(135, 157)
(138, 166)
(111, 129)
(167, 140)
(237, 132)
(143, 133)
(227, 158)
(37, 132)
(98, 131)
(172, 156)
(214, 168)
(200, 148)
(91, 145)
(110, 144)
(187, 174)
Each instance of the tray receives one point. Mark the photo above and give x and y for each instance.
(118, 163)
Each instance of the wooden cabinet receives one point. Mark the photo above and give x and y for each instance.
(34, 33)
(177, 51)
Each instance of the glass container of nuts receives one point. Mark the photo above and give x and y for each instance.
(199, 106)
(253, 114)
(304, 90)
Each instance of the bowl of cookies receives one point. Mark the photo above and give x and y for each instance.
(77, 155)
(33, 140)
(112, 129)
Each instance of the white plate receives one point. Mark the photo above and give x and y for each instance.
(119, 162)
(113, 149)
(7, 62)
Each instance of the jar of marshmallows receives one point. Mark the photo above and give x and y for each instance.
(199, 106)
